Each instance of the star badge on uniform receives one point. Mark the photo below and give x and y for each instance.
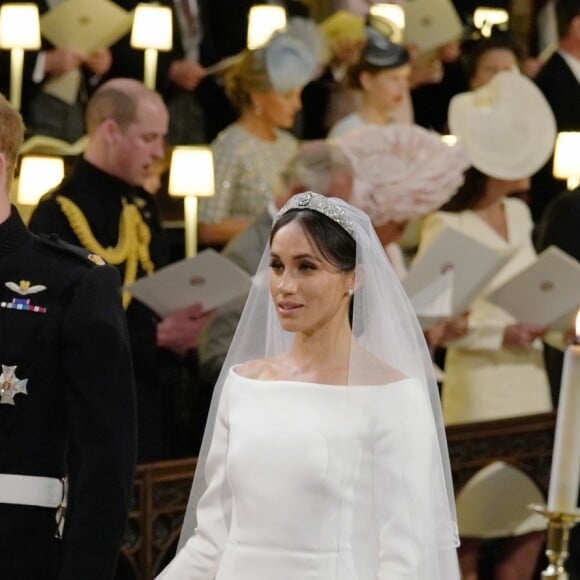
(24, 287)
(10, 385)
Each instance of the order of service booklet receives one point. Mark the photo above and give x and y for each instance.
(84, 26)
(546, 293)
(449, 275)
(207, 278)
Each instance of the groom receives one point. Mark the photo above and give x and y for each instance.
(67, 406)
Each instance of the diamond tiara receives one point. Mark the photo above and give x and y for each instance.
(321, 204)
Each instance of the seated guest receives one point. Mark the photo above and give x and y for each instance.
(250, 154)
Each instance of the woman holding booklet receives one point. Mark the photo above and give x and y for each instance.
(496, 368)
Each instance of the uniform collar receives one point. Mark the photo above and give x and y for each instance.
(13, 233)
(104, 182)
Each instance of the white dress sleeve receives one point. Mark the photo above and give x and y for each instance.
(409, 497)
(200, 557)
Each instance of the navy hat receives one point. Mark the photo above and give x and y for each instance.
(380, 52)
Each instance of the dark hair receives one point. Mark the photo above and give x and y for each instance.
(566, 11)
(334, 242)
(467, 196)
(474, 50)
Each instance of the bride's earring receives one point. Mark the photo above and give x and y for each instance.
(350, 291)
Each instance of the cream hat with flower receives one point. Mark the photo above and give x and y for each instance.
(506, 127)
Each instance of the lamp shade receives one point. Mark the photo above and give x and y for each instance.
(191, 172)
(152, 27)
(37, 176)
(393, 16)
(484, 18)
(263, 21)
(567, 155)
(19, 26)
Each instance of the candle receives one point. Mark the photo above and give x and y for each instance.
(565, 473)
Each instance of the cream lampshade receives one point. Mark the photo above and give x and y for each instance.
(19, 31)
(567, 158)
(38, 174)
(394, 16)
(485, 18)
(263, 21)
(152, 31)
(191, 176)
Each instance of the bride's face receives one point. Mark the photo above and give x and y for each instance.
(309, 293)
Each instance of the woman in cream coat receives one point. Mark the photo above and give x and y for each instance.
(495, 369)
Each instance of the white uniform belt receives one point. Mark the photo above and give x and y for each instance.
(31, 490)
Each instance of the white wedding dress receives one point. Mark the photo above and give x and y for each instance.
(318, 482)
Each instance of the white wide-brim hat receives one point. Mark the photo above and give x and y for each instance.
(506, 127)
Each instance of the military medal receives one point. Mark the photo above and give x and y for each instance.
(23, 304)
(10, 385)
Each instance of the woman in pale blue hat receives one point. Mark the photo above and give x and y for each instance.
(265, 86)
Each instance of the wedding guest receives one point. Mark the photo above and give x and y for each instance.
(495, 369)
(250, 154)
(103, 207)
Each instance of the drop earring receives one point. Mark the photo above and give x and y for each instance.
(258, 110)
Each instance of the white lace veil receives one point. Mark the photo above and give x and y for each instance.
(383, 324)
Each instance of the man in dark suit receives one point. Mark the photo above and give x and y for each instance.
(179, 72)
(43, 113)
(559, 80)
(67, 407)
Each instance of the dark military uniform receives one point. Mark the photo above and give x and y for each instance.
(100, 197)
(67, 407)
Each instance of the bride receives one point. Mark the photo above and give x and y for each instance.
(324, 457)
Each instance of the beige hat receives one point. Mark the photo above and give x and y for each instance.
(506, 127)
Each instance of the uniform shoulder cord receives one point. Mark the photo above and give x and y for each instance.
(132, 247)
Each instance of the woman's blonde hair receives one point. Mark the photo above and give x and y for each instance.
(247, 76)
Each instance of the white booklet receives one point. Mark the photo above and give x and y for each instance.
(546, 293)
(84, 26)
(430, 24)
(208, 278)
(449, 275)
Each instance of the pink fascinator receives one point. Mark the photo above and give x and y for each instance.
(401, 171)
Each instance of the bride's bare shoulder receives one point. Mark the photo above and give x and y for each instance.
(372, 370)
(257, 369)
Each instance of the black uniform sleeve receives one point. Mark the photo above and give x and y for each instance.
(100, 406)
